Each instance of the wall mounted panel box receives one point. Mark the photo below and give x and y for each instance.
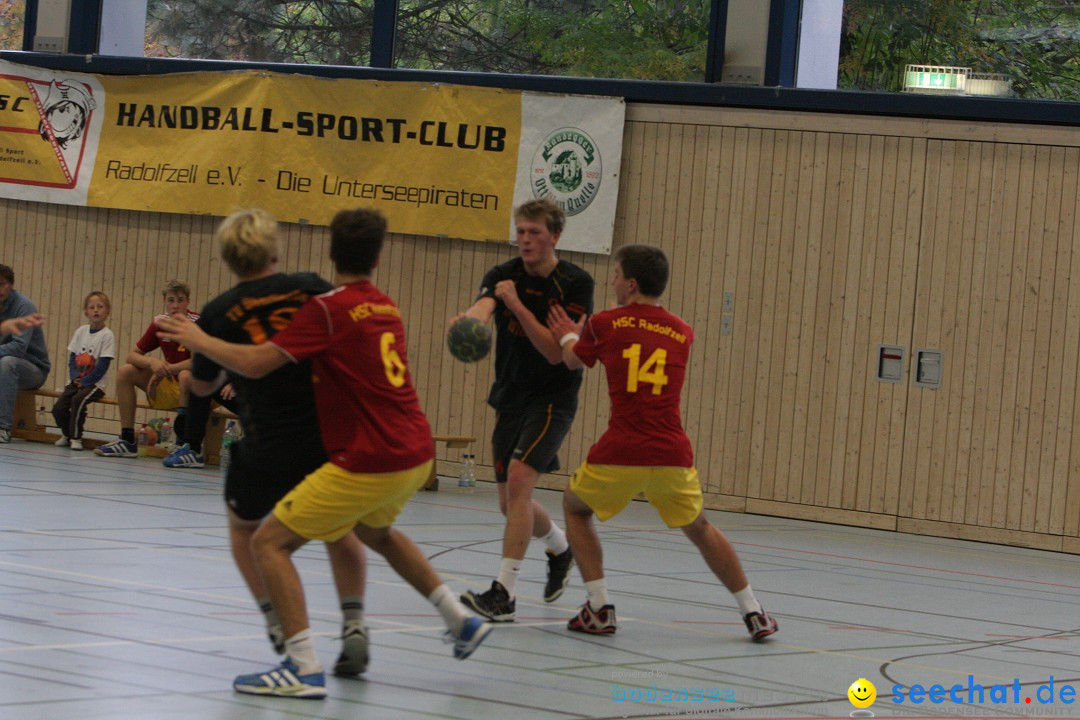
(990, 84)
(890, 363)
(53, 19)
(929, 365)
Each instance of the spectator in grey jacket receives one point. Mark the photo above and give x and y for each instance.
(24, 359)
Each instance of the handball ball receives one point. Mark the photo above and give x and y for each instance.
(469, 340)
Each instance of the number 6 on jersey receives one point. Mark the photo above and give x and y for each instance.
(395, 368)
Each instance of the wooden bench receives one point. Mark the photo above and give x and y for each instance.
(26, 426)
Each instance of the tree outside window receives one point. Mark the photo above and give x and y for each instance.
(11, 24)
(641, 39)
(1034, 44)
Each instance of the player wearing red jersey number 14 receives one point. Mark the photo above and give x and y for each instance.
(644, 350)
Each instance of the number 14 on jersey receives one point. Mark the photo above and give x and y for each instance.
(651, 372)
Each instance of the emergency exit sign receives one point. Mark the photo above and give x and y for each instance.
(936, 79)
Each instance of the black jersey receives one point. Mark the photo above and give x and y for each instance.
(523, 376)
(282, 404)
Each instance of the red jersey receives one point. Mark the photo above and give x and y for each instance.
(369, 413)
(644, 349)
(172, 351)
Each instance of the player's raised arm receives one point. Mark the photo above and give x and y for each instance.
(566, 332)
(506, 291)
(254, 361)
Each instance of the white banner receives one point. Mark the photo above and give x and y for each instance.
(571, 151)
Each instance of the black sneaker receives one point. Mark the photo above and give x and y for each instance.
(558, 575)
(495, 604)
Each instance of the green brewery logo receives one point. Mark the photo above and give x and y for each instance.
(566, 168)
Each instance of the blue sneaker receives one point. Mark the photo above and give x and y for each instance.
(283, 681)
(183, 457)
(472, 634)
(118, 448)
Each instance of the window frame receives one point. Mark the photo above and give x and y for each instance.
(781, 57)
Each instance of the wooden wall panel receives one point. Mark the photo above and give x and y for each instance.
(871, 479)
(799, 243)
(836, 389)
(1038, 476)
(755, 393)
(774, 304)
(748, 290)
(714, 348)
(1002, 421)
(1066, 517)
(697, 290)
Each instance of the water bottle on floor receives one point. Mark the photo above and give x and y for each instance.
(165, 434)
(467, 478)
(228, 439)
(144, 438)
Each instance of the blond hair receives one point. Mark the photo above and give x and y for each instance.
(104, 299)
(248, 241)
(176, 286)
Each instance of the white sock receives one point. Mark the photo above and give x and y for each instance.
(508, 575)
(555, 540)
(352, 611)
(596, 590)
(454, 614)
(747, 602)
(301, 650)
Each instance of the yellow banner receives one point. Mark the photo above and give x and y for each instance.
(440, 160)
(431, 158)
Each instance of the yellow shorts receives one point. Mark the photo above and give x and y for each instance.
(329, 502)
(674, 491)
(166, 395)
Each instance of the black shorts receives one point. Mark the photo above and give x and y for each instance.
(532, 436)
(260, 476)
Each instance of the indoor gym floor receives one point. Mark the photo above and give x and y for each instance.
(120, 601)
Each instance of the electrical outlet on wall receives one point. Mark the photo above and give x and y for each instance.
(741, 74)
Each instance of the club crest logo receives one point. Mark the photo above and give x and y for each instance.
(44, 129)
(65, 110)
(567, 168)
